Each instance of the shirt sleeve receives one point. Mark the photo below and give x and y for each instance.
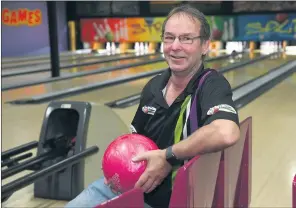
(137, 124)
(139, 121)
(216, 100)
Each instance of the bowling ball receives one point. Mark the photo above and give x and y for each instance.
(118, 168)
(109, 36)
(281, 17)
(217, 34)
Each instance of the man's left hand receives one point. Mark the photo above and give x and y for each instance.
(157, 169)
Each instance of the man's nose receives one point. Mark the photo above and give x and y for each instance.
(176, 45)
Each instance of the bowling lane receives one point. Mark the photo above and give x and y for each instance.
(247, 73)
(109, 94)
(33, 112)
(45, 61)
(65, 84)
(8, 81)
(70, 61)
(127, 113)
(271, 177)
(273, 145)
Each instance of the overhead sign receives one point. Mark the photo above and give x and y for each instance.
(222, 27)
(121, 29)
(21, 17)
(273, 27)
(145, 29)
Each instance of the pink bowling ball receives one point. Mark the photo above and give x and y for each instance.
(118, 168)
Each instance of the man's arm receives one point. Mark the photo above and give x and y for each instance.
(221, 127)
(213, 137)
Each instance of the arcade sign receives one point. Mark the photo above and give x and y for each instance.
(20, 17)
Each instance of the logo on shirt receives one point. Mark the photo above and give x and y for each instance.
(222, 107)
(133, 129)
(149, 110)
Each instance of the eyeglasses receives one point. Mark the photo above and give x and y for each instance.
(182, 39)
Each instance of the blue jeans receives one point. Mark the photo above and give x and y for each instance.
(95, 194)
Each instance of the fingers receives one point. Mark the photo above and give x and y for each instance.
(140, 157)
(154, 185)
(146, 183)
(142, 180)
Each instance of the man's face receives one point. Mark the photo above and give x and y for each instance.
(183, 56)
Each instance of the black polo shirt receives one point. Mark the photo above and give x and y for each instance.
(167, 125)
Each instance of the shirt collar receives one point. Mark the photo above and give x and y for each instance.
(164, 77)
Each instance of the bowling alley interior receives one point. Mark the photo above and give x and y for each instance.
(72, 75)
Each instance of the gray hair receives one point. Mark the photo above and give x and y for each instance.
(205, 30)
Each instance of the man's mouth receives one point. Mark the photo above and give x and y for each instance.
(177, 57)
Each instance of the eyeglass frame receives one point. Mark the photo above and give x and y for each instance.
(178, 37)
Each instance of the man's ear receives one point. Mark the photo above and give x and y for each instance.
(205, 46)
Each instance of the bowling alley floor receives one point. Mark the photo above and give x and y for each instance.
(274, 118)
(91, 66)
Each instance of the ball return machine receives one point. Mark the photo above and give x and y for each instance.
(67, 154)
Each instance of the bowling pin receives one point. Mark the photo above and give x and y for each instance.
(214, 25)
(225, 31)
(98, 31)
(146, 47)
(121, 29)
(141, 47)
(117, 33)
(86, 45)
(103, 30)
(113, 48)
(108, 46)
(231, 29)
(137, 47)
(161, 48)
(125, 29)
(108, 29)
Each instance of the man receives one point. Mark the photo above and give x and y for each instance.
(164, 111)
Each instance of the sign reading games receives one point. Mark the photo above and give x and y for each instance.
(20, 17)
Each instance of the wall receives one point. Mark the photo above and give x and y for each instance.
(32, 40)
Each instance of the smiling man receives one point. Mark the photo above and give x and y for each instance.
(187, 110)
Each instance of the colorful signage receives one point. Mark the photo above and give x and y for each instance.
(21, 17)
(121, 29)
(144, 29)
(274, 27)
(222, 27)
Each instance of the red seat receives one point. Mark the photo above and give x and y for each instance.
(238, 168)
(132, 198)
(221, 179)
(217, 180)
(195, 182)
(294, 192)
